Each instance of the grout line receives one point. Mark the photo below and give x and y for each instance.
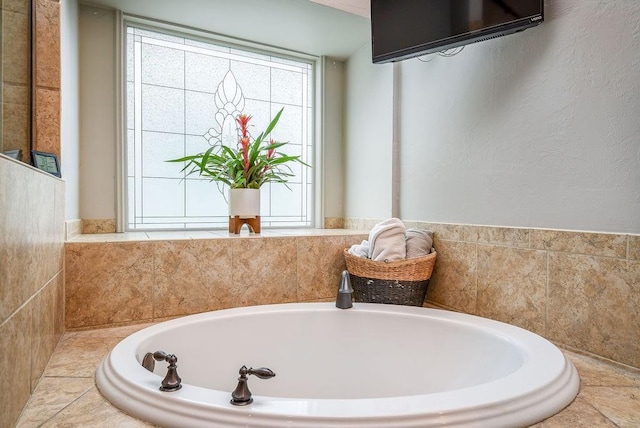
(67, 405)
(546, 300)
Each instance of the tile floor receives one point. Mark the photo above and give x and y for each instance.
(66, 395)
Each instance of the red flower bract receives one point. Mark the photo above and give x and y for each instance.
(243, 123)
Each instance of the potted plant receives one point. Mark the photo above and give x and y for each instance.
(244, 168)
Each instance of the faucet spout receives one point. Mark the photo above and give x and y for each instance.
(345, 292)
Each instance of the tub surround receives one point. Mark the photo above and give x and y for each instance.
(115, 279)
(98, 225)
(31, 279)
(72, 229)
(579, 289)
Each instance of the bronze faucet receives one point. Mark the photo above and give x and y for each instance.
(171, 381)
(241, 396)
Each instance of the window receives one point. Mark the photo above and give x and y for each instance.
(182, 94)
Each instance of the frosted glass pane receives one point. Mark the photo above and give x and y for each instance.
(204, 199)
(253, 79)
(248, 54)
(261, 115)
(294, 63)
(286, 202)
(196, 144)
(200, 111)
(130, 153)
(162, 66)
(157, 148)
(131, 197)
(158, 36)
(163, 109)
(162, 197)
(130, 58)
(289, 127)
(205, 45)
(265, 201)
(204, 73)
(286, 87)
(131, 102)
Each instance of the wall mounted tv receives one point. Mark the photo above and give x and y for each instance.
(402, 29)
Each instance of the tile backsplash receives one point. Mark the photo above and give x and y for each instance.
(578, 289)
(115, 283)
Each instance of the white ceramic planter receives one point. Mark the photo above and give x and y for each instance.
(244, 203)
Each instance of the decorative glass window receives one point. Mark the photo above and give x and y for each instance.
(182, 96)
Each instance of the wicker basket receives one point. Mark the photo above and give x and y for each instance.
(403, 282)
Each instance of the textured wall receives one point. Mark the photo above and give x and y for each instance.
(368, 137)
(31, 279)
(534, 129)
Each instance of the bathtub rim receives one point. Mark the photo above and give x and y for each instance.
(137, 393)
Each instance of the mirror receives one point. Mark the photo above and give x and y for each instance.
(15, 50)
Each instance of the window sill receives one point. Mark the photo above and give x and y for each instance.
(213, 234)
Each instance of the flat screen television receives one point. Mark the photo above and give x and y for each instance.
(402, 29)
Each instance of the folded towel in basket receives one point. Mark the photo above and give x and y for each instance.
(419, 242)
(387, 240)
(360, 250)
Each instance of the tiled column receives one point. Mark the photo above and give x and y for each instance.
(46, 74)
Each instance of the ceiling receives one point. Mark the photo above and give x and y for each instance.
(297, 25)
(357, 7)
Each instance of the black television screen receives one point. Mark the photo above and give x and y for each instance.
(402, 29)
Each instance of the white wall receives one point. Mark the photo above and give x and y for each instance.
(536, 129)
(333, 138)
(69, 117)
(368, 137)
(97, 114)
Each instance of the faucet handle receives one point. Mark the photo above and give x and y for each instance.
(241, 396)
(262, 372)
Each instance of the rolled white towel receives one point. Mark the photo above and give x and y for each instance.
(419, 242)
(387, 240)
(360, 250)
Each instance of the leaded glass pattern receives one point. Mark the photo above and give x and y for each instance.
(181, 97)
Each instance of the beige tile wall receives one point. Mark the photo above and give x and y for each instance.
(16, 99)
(46, 120)
(579, 289)
(32, 231)
(114, 283)
(31, 279)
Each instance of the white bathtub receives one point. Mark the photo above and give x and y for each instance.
(369, 366)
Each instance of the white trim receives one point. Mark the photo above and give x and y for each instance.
(209, 36)
(120, 112)
(319, 106)
(396, 146)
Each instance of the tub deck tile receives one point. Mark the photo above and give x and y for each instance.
(67, 396)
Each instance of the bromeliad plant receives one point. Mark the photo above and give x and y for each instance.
(249, 165)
